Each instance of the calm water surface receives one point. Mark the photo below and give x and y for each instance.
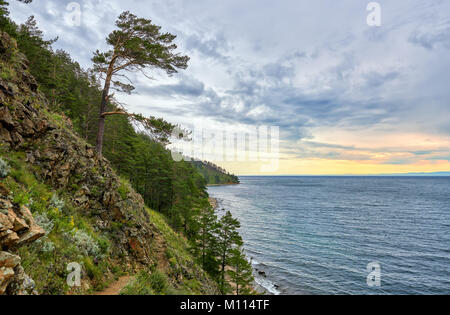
(316, 235)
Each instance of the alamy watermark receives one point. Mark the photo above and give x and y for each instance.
(73, 14)
(374, 276)
(374, 17)
(259, 144)
(74, 277)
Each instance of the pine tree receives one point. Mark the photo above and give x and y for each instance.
(5, 23)
(206, 237)
(241, 272)
(228, 237)
(137, 45)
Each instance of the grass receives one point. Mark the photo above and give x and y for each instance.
(124, 188)
(150, 283)
(46, 260)
(178, 256)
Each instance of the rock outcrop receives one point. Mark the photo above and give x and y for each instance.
(17, 228)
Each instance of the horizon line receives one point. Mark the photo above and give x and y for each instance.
(412, 174)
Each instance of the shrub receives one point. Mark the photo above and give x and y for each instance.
(44, 222)
(4, 168)
(148, 284)
(92, 271)
(103, 243)
(124, 189)
(48, 247)
(138, 286)
(158, 282)
(86, 244)
(57, 203)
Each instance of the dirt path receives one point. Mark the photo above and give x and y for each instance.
(116, 287)
(163, 263)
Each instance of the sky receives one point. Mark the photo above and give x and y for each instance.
(347, 97)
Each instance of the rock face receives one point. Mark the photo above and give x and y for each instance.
(17, 228)
(68, 163)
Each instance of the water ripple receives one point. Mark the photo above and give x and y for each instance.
(316, 235)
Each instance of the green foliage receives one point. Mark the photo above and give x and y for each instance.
(91, 269)
(68, 238)
(227, 238)
(139, 285)
(206, 240)
(145, 283)
(213, 174)
(86, 244)
(241, 272)
(124, 188)
(137, 45)
(57, 203)
(158, 282)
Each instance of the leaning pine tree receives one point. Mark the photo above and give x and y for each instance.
(137, 45)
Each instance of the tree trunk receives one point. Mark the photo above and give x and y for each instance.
(103, 105)
(237, 278)
(224, 257)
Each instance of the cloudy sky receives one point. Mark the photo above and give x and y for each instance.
(348, 98)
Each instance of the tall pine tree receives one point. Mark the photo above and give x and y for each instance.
(228, 238)
(241, 272)
(137, 45)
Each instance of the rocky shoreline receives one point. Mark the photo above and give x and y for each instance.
(214, 203)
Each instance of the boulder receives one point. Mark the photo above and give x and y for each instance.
(17, 228)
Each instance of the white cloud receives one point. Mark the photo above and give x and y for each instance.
(302, 65)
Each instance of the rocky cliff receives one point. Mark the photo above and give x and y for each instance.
(17, 228)
(67, 164)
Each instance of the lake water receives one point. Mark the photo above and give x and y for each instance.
(316, 235)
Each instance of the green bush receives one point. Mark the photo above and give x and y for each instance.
(155, 283)
(86, 244)
(139, 285)
(57, 203)
(92, 270)
(124, 189)
(158, 282)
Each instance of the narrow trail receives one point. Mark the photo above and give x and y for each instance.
(116, 287)
(163, 265)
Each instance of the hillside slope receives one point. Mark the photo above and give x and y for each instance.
(90, 216)
(214, 175)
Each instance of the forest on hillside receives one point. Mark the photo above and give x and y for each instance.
(215, 175)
